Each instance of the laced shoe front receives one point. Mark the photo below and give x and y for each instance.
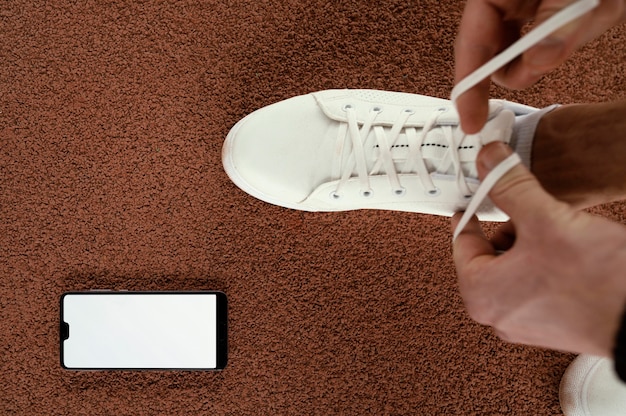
(340, 150)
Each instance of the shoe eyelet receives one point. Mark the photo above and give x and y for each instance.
(409, 111)
(367, 193)
(399, 192)
(442, 109)
(377, 109)
(347, 107)
(468, 197)
(334, 195)
(434, 192)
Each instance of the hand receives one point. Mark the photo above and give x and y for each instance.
(489, 26)
(561, 282)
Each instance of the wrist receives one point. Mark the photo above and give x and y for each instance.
(578, 153)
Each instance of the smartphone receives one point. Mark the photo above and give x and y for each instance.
(110, 330)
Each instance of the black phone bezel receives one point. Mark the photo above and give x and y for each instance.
(222, 327)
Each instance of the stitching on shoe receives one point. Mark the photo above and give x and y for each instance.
(445, 146)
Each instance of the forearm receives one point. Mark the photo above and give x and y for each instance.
(579, 153)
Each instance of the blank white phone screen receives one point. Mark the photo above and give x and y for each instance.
(140, 331)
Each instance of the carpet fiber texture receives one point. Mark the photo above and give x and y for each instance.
(112, 118)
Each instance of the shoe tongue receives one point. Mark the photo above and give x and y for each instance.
(436, 144)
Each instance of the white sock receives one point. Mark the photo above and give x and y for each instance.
(524, 133)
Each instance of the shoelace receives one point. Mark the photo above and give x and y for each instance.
(560, 19)
(385, 140)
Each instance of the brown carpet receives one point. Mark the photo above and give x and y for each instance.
(112, 117)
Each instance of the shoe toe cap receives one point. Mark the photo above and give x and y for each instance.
(271, 153)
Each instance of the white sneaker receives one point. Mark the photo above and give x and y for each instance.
(590, 387)
(340, 150)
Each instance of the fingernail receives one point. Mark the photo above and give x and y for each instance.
(492, 154)
(546, 53)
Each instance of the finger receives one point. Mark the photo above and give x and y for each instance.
(559, 45)
(554, 49)
(547, 54)
(471, 244)
(473, 255)
(507, 75)
(473, 108)
(480, 37)
(504, 238)
(518, 193)
(517, 75)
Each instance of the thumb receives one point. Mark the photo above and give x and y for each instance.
(518, 193)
